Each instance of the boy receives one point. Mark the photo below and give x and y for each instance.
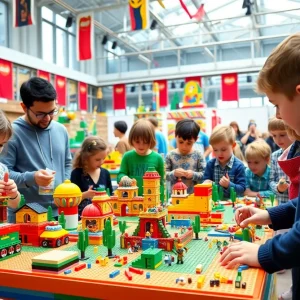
(258, 172)
(279, 181)
(279, 80)
(225, 170)
(185, 162)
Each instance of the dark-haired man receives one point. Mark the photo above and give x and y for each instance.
(38, 145)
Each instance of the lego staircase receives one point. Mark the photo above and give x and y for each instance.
(163, 230)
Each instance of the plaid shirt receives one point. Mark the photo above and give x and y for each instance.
(259, 183)
(275, 175)
(235, 170)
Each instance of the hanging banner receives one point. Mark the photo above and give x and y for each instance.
(23, 13)
(163, 92)
(43, 74)
(192, 95)
(6, 79)
(139, 14)
(83, 95)
(230, 89)
(198, 15)
(60, 86)
(85, 36)
(119, 96)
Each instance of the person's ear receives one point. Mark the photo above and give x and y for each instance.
(23, 107)
(298, 89)
(233, 145)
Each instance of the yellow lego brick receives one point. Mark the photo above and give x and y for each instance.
(200, 281)
(217, 275)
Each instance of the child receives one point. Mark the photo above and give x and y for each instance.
(257, 155)
(185, 162)
(87, 173)
(279, 181)
(136, 162)
(239, 154)
(7, 187)
(225, 170)
(279, 80)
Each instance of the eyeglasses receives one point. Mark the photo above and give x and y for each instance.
(41, 116)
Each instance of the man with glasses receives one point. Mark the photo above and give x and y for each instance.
(38, 145)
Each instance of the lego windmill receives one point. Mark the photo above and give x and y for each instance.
(67, 197)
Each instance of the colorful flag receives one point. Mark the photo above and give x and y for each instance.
(43, 74)
(163, 92)
(60, 86)
(230, 89)
(139, 14)
(23, 13)
(119, 96)
(85, 36)
(6, 79)
(83, 95)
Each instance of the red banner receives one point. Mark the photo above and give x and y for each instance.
(85, 36)
(163, 92)
(43, 74)
(119, 100)
(23, 12)
(60, 86)
(230, 88)
(83, 95)
(6, 79)
(194, 78)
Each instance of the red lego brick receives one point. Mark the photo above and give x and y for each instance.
(202, 191)
(80, 267)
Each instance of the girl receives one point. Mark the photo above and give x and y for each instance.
(7, 186)
(87, 173)
(136, 162)
(185, 162)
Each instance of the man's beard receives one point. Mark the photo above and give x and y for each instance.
(36, 125)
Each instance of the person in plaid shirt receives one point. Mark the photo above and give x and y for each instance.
(225, 170)
(279, 181)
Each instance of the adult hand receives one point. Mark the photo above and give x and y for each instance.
(243, 253)
(8, 188)
(180, 172)
(252, 215)
(43, 178)
(225, 181)
(189, 174)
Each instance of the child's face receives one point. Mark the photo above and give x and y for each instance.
(281, 138)
(223, 151)
(287, 110)
(141, 147)
(96, 161)
(257, 165)
(184, 146)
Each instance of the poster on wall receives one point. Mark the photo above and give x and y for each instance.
(6, 79)
(60, 86)
(139, 14)
(192, 93)
(85, 36)
(43, 74)
(230, 88)
(23, 13)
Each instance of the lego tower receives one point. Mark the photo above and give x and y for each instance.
(151, 181)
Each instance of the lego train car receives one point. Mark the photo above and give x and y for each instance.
(10, 243)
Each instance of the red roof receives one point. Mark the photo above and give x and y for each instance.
(179, 185)
(151, 174)
(91, 211)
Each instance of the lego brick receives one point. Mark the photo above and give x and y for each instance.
(54, 257)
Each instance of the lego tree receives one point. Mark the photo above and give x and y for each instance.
(197, 226)
(22, 201)
(109, 238)
(215, 193)
(246, 235)
(50, 214)
(221, 193)
(272, 198)
(232, 196)
(83, 242)
(122, 227)
(62, 220)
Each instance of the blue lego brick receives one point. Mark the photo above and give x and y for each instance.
(67, 271)
(114, 274)
(180, 222)
(148, 275)
(148, 243)
(215, 233)
(243, 267)
(89, 265)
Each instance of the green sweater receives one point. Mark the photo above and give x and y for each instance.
(135, 166)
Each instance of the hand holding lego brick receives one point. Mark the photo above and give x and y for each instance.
(225, 181)
(89, 194)
(282, 185)
(43, 178)
(252, 215)
(189, 174)
(242, 253)
(180, 172)
(8, 188)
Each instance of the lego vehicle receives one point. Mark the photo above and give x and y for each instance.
(10, 243)
(54, 236)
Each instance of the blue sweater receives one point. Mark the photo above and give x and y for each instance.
(31, 149)
(282, 251)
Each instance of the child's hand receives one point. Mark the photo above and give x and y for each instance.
(243, 253)
(189, 174)
(282, 185)
(225, 181)
(207, 181)
(90, 193)
(180, 172)
(251, 215)
(8, 188)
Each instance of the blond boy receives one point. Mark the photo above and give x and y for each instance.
(279, 181)
(225, 170)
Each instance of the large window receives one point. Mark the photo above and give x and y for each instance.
(3, 25)
(59, 42)
(20, 75)
(72, 95)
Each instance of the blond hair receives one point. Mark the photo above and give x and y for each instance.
(281, 71)
(222, 133)
(143, 130)
(90, 146)
(6, 130)
(258, 149)
(292, 133)
(238, 153)
(276, 125)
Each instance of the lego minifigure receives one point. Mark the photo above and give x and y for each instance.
(180, 253)
(148, 235)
